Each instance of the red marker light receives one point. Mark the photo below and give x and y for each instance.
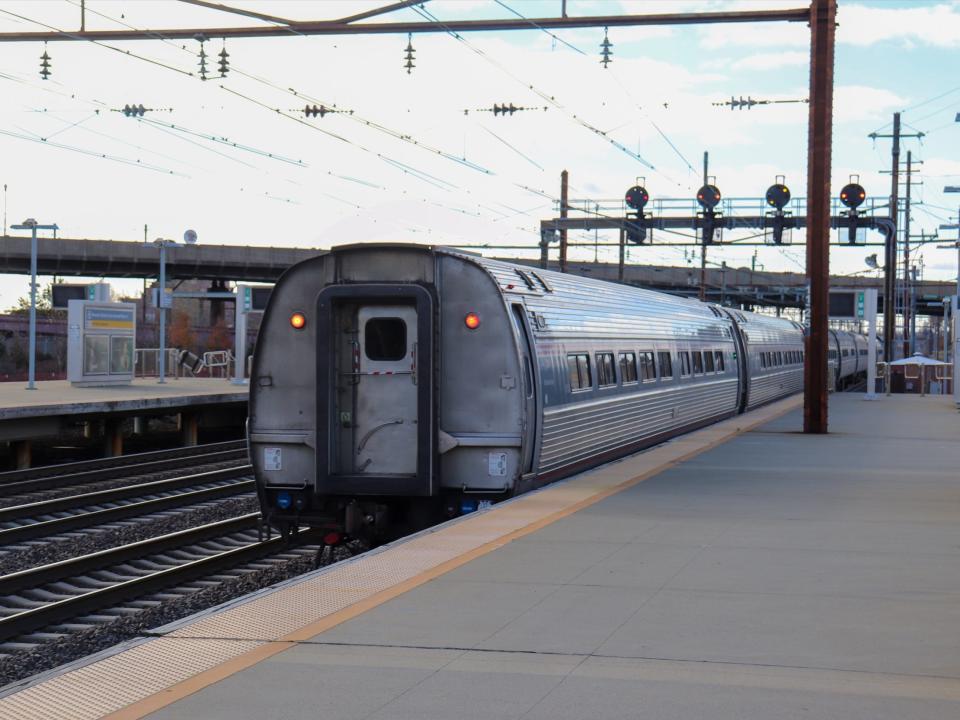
(298, 320)
(472, 321)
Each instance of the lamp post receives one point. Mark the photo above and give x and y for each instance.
(956, 301)
(163, 244)
(189, 238)
(33, 226)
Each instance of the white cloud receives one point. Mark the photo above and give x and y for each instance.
(771, 61)
(853, 103)
(860, 25)
(937, 25)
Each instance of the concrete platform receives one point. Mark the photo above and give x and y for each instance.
(739, 572)
(27, 415)
(59, 397)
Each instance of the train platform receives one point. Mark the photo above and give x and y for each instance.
(27, 415)
(743, 571)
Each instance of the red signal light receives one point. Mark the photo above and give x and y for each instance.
(472, 321)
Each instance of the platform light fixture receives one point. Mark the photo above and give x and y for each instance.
(164, 301)
(33, 226)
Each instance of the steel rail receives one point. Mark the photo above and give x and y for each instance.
(124, 471)
(36, 576)
(78, 466)
(98, 517)
(34, 619)
(101, 497)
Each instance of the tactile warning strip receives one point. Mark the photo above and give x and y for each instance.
(161, 671)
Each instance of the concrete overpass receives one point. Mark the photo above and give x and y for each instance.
(123, 259)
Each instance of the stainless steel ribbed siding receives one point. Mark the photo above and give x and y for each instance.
(577, 431)
(772, 386)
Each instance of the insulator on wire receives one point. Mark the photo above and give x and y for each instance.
(321, 110)
(606, 50)
(224, 65)
(45, 66)
(138, 111)
(410, 52)
(203, 55)
(504, 109)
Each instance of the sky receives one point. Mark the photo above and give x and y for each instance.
(236, 159)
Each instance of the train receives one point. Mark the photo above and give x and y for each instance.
(395, 384)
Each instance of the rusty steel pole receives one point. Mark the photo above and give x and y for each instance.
(823, 15)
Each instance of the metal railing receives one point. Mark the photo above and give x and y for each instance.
(146, 362)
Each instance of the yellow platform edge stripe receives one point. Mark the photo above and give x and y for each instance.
(641, 467)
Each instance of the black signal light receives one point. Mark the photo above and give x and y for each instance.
(708, 196)
(637, 197)
(778, 195)
(852, 195)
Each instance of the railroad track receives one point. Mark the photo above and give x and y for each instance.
(48, 518)
(43, 604)
(16, 482)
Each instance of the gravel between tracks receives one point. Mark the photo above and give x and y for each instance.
(72, 647)
(94, 486)
(33, 555)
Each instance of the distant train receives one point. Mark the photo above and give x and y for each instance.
(400, 383)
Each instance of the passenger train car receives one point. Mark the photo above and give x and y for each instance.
(416, 381)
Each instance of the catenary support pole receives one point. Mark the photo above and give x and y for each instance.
(564, 195)
(907, 285)
(822, 35)
(890, 265)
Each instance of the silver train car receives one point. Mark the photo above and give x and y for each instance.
(416, 382)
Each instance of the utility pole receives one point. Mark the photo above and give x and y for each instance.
(703, 241)
(823, 16)
(564, 182)
(890, 251)
(907, 285)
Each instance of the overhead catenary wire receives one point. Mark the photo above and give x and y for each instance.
(545, 96)
(93, 153)
(75, 36)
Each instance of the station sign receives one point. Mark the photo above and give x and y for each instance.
(860, 304)
(101, 341)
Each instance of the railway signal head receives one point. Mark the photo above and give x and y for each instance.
(778, 195)
(637, 197)
(708, 196)
(853, 195)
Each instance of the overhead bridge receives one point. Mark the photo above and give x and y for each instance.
(245, 263)
(122, 258)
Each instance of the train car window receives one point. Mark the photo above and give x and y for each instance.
(697, 363)
(385, 339)
(606, 374)
(684, 363)
(779, 358)
(763, 360)
(708, 361)
(648, 370)
(628, 367)
(578, 368)
(666, 365)
(718, 359)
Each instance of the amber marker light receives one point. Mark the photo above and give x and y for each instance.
(472, 321)
(298, 320)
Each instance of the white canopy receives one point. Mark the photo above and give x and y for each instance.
(919, 359)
